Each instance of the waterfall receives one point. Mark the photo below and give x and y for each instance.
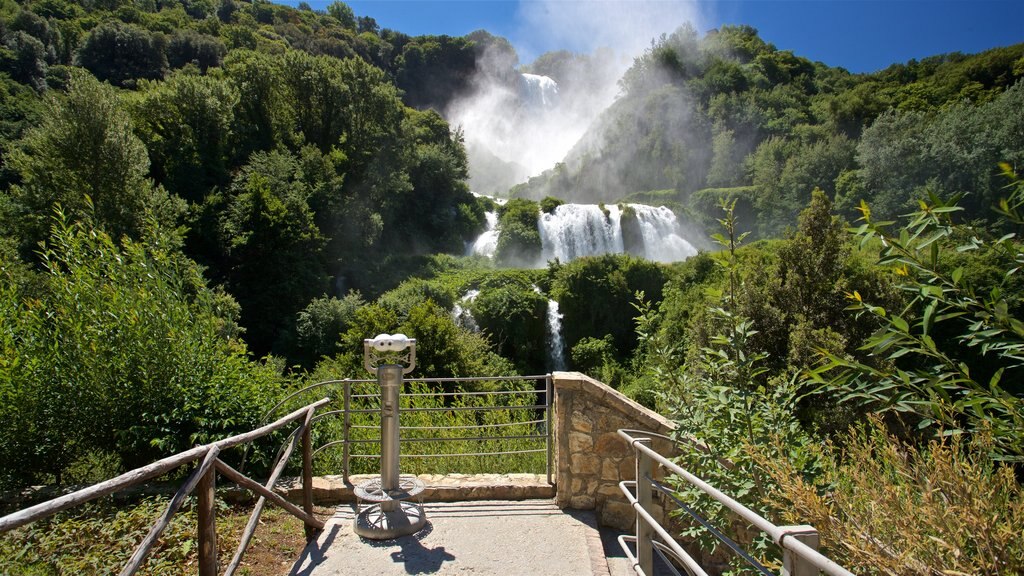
(572, 231)
(556, 344)
(575, 230)
(537, 91)
(487, 242)
(662, 241)
(462, 315)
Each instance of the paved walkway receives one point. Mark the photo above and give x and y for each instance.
(482, 538)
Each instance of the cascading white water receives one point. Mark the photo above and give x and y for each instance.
(538, 91)
(462, 315)
(661, 234)
(556, 344)
(572, 231)
(487, 242)
(575, 230)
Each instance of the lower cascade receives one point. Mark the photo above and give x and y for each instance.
(556, 344)
(575, 230)
(462, 315)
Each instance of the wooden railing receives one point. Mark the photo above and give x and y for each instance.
(203, 482)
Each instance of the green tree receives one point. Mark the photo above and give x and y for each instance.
(121, 349)
(274, 252)
(85, 158)
(926, 377)
(186, 124)
(123, 53)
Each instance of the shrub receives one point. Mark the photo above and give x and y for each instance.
(886, 507)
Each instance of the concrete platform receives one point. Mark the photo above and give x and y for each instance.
(482, 538)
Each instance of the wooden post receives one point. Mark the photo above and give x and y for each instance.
(307, 479)
(207, 533)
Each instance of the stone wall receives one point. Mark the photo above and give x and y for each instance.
(591, 458)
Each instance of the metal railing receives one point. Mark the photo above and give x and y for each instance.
(203, 482)
(799, 544)
(357, 406)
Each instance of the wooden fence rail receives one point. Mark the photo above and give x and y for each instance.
(203, 482)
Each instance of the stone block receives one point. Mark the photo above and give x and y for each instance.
(580, 442)
(610, 471)
(581, 422)
(627, 469)
(617, 514)
(609, 490)
(586, 464)
(582, 502)
(577, 485)
(610, 444)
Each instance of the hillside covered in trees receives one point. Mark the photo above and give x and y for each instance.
(729, 116)
(205, 205)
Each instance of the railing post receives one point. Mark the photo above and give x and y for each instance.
(548, 402)
(792, 564)
(644, 497)
(307, 478)
(346, 450)
(207, 532)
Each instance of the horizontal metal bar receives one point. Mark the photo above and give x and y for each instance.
(660, 548)
(471, 426)
(367, 411)
(544, 450)
(777, 534)
(495, 393)
(480, 438)
(667, 539)
(478, 408)
(480, 378)
(707, 526)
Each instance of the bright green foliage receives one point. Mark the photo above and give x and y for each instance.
(185, 123)
(122, 350)
(84, 158)
(519, 243)
(514, 317)
(927, 376)
(595, 294)
(320, 324)
(549, 203)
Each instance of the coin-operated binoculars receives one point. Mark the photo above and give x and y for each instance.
(390, 356)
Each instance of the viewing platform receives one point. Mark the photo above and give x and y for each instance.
(479, 537)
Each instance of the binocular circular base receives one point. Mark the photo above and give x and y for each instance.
(390, 520)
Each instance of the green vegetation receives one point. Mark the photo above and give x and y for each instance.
(194, 227)
(730, 111)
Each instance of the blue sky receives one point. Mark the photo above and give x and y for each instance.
(859, 35)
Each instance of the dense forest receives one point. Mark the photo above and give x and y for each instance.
(205, 205)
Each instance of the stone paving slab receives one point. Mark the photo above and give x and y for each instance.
(481, 538)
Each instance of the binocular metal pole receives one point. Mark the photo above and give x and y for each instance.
(390, 378)
(390, 516)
